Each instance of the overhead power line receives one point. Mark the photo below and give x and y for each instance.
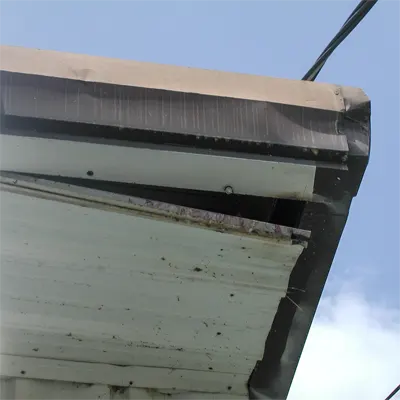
(393, 393)
(354, 19)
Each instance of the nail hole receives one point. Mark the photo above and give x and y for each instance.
(131, 383)
(229, 387)
(89, 173)
(23, 372)
(218, 333)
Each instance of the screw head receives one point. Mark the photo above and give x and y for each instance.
(228, 189)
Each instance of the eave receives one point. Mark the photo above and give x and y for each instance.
(311, 140)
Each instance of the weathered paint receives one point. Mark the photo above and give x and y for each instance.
(332, 125)
(180, 79)
(265, 176)
(164, 379)
(88, 197)
(21, 388)
(123, 290)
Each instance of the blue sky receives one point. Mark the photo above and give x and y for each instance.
(276, 38)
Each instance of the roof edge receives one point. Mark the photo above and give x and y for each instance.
(175, 78)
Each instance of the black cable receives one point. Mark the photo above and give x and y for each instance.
(393, 393)
(354, 19)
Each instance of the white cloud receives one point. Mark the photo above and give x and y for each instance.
(352, 352)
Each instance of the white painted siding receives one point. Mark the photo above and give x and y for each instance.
(19, 389)
(109, 296)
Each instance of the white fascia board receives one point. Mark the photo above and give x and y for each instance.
(162, 166)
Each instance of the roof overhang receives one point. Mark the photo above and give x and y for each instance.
(216, 301)
(96, 278)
